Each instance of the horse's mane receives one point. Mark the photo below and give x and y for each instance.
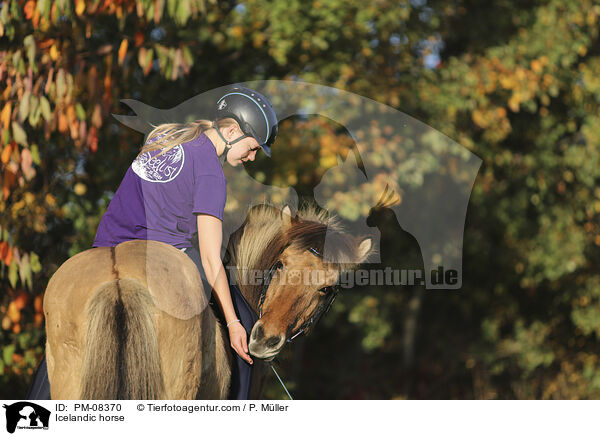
(261, 240)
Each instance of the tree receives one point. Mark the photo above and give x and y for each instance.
(515, 83)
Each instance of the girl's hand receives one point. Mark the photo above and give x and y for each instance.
(238, 338)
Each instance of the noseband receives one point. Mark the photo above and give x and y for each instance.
(330, 294)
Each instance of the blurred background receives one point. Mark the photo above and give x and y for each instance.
(516, 83)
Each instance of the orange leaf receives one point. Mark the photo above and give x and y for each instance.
(22, 300)
(107, 83)
(97, 116)
(9, 257)
(71, 115)
(5, 115)
(82, 130)
(138, 38)
(6, 154)
(38, 303)
(29, 8)
(63, 125)
(4, 249)
(93, 139)
(149, 66)
(36, 18)
(157, 12)
(46, 43)
(123, 50)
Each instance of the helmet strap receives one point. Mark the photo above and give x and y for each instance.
(228, 144)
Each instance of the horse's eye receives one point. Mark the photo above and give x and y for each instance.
(326, 290)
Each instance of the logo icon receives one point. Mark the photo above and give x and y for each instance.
(222, 105)
(26, 415)
(160, 169)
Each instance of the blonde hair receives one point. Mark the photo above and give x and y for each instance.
(168, 135)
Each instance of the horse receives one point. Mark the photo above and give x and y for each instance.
(133, 321)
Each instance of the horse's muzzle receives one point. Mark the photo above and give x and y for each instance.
(262, 345)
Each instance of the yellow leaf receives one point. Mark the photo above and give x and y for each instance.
(29, 198)
(54, 52)
(478, 118)
(513, 103)
(13, 312)
(507, 82)
(79, 7)
(50, 199)
(80, 188)
(237, 32)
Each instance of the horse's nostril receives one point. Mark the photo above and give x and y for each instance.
(259, 332)
(272, 342)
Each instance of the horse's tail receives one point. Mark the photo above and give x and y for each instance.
(120, 356)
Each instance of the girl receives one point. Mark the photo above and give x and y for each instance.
(176, 188)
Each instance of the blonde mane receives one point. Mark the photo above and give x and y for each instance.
(261, 240)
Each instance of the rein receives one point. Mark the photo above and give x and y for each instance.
(330, 292)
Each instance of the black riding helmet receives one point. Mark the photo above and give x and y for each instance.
(253, 112)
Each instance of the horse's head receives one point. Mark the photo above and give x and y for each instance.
(301, 279)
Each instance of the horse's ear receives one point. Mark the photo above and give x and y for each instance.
(286, 216)
(364, 249)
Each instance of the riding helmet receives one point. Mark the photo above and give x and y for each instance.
(252, 111)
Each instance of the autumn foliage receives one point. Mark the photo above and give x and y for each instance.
(517, 83)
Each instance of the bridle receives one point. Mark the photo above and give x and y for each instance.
(329, 291)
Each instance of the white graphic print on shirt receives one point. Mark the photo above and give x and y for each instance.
(160, 169)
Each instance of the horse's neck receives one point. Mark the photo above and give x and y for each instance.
(257, 227)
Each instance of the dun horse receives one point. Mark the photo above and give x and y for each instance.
(132, 321)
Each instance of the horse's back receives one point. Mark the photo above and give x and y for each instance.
(171, 277)
(169, 274)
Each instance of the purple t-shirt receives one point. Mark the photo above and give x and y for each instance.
(158, 199)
